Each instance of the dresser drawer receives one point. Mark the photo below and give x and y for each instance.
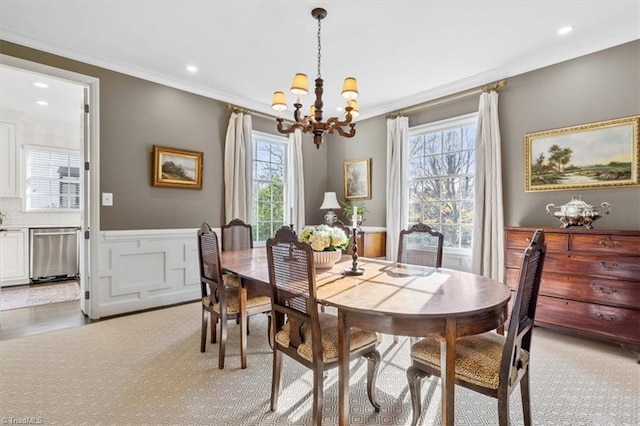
(625, 294)
(521, 239)
(620, 267)
(609, 244)
(614, 323)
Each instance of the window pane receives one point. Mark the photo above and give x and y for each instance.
(269, 174)
(441, 171)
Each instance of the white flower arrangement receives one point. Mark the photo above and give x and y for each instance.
(324, 238)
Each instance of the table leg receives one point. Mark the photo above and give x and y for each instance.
(242, 293)
(448, 372)
(344, 349)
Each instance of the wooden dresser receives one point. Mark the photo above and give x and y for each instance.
(590, 282)
(372, 243)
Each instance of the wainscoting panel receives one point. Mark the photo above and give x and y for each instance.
(145, 269)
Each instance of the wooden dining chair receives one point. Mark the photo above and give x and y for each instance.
(236, 235)
(221, 299)
(420, 245)
(490, 363)
(304, 334)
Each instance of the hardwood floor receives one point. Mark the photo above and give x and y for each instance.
(41, 319)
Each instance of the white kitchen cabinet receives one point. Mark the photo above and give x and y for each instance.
(9, 170)
(14, 256)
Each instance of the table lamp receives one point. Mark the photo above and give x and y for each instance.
(329, 203)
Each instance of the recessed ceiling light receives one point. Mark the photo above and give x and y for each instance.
(40, 84)
(192, 69)
(339, 109)
(43, 103)
(565, 30)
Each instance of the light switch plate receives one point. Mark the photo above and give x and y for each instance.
(107, 199)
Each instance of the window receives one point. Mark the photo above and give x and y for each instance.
(52, 179)
(441, 178)
(269, 181)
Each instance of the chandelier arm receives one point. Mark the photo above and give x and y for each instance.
(291, 128)
(352, 131)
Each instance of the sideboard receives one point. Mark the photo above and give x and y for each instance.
(372, 243)
(590, 282)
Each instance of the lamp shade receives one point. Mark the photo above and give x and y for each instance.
(355, 112)
(350, 88)
(279, 102)
(300, 85)
(330, 201)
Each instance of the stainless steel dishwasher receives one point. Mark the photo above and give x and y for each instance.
(54, 254)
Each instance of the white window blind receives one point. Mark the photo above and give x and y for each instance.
(52, 179)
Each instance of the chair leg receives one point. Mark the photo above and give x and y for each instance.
(223, 341)
(318, 395)
(203, 337)
(214, 324)
(248, 325)
(373, 359)
(526, 401)
(414, 376)
(276, 379)
(270, 333)
(503, 410)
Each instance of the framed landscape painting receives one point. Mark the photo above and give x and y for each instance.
(177, 168)
(588, 156)
(357, 179)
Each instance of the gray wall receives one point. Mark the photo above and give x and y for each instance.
(135, 114)
(595, 87)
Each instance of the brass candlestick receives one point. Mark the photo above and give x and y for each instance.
(354, 270)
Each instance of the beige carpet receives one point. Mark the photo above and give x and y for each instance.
(147, 369)
(38, 294)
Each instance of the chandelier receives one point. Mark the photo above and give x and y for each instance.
(312, 123)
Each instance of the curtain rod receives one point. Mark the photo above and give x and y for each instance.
(237, 109)
(487, 88)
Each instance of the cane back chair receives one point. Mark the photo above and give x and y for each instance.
(420, 245)
(222, 299)
(302, 333)
(490, 363)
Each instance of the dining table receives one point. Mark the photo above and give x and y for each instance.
(396, 299)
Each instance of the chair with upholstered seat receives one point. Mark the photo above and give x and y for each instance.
(490, 363)
(304, 334)
(420, 245)
(222, 298)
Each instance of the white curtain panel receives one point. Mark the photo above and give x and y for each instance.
(237, 168)
(295, 179)
(397, 182)
(488, 223)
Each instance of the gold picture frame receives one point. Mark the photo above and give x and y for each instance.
(177, 168)
(357, 179)
(595, 155)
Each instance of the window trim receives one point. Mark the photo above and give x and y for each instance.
(25, 167)
(438, 126)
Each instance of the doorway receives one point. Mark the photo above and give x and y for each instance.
(80, 95)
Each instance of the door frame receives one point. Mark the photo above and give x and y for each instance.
(89, 268)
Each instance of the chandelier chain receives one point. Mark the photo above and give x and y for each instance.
(319, 46)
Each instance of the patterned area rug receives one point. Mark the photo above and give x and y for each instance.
(38, 294)
(147, 369)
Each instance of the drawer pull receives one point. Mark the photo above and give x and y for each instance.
(607, 318)
(608, 265)
(606, 290)
(612, 244)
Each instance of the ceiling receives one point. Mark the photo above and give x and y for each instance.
(402, 52)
